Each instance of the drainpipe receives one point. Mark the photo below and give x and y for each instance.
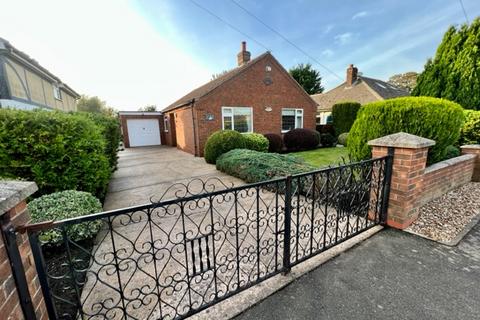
(195, 146)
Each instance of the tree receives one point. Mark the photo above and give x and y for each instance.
(307, 77)
(148, 108)
(405, 81)
(91, 104)
(454, 72)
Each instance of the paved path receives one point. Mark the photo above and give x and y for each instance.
(393, 275)
(148, 172)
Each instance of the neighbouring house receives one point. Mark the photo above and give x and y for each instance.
(25, 84)
(259, 95)
(356, 88)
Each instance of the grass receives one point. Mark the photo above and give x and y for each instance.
(323, 157)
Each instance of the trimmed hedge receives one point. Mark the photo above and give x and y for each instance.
(275, 142)
(57, 150)
(325, 128)
(432, 118)
(327, 140)
(344, 115)
(252, 166)
(342, 139)
(301, 139)
(470, 132)
(220, 142)
(256, 141)
(63, 205)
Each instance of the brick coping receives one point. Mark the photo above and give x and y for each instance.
(449, 162)
(13, 192)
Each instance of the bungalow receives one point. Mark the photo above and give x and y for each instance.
(356, 88)
(25, 84)
(259, 95)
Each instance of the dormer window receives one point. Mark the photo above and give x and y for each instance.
(57, 93)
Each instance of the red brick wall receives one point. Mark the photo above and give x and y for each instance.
(444, 176)
(247, 90)
(183, 131)
(123, 123)
(9, 301)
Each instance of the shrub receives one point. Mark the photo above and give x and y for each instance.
(301, 139)
(64, 205)
(252, 166)
(220, 142)
(327, 140)
(431, 118)
(110, 129)
(325, 128)
(57, 150)
(451, 152)
(344, 115)
(256, 141)
(470, 132)
(342, 139)
(275, 142)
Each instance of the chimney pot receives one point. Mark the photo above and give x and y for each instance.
(243, 56)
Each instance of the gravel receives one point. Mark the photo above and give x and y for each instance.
(444, 218)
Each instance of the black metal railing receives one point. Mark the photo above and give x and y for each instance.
(172, 258)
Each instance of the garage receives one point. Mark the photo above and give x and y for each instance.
(141, 129)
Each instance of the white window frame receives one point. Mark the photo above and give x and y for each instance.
(57, 93)
(166, 123)
(232, 116)
(323, 115)
(298, 112)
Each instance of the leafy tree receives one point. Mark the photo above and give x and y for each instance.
(91, 104)
(149, 108)
(405, 81)
(454, 72)
(307, 77)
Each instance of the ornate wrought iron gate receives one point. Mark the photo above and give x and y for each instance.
(172, 258)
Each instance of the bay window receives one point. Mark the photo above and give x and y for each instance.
(237, 118)
(292, 119)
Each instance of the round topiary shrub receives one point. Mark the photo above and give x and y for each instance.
(432, 118)
(275, 142)
(342, 139)
(301, 139)
(63, 205)
(470, 132)
(344, 115)
(451, 152)
(327, 140)
(220, 142)
(256, 141)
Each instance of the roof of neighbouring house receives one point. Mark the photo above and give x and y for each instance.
(213, 84)
(374, 90)
(20, 55)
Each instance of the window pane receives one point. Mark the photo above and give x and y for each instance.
(299, 123)
(227, 111)
(227, 123)
(242, 123)
(288, 112)
(288, 122)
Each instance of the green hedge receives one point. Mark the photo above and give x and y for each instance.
(57, 150)
(256, 141)
(110, 129)
(470, 132)
(220, 142)
(253, 166)
(432, 118)
(63, 205)
(344, 115)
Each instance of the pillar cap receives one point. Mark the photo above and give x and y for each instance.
(14, 192)
(471, 146)
(402, 140)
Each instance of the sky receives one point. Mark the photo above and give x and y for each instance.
(137, 53)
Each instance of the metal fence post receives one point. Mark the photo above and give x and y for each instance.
(386, 185)
(18, 271)
(288, 225)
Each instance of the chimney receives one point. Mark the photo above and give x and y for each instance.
(351, 74)
(243, 56)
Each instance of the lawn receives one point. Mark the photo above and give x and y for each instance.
(323, 157)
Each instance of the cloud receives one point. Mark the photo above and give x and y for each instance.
(327, 29)
(327, 53)
(343, 38)
(109, 50)
(360, 14)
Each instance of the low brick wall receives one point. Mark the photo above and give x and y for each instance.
(444, 176)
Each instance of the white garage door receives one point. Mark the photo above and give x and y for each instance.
(143, 132)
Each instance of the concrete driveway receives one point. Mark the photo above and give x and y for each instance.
(148, 172)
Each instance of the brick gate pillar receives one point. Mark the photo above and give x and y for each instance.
(409, 162)
(18, 275)
(473, 149)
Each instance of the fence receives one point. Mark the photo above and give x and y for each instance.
(172, 258)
